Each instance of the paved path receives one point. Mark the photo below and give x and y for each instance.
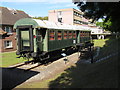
(52, 69)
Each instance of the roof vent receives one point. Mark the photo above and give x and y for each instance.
(13, 11)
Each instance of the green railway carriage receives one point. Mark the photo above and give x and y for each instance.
(35, 38)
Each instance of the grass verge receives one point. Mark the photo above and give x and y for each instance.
(9, 58)
(107, 47)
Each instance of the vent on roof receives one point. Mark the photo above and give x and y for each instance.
(13, 11)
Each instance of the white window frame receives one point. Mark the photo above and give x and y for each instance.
(9, 31)
(8, 44)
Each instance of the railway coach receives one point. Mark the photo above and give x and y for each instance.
(37, 38)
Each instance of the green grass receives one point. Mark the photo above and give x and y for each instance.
(9, 58)
(107, 46)
(100, 42)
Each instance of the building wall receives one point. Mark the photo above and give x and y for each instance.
(67, 16)
(7, 37)
(52, 16)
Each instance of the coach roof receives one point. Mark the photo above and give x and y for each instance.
(36, 23)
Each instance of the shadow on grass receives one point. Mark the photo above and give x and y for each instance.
(103, 74)
(13, 77)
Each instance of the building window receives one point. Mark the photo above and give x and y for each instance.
(51, 35)
(59, 35)
(59, 12)
(65, 34)
(77, 14)
(74, 34)
(8, 30)
(60, 20)
(8, 44)
(70, 34)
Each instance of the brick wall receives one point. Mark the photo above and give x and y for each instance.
(11, 38)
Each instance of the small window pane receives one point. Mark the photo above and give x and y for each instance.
(59, 35)
(70, 34)
(81, 34)
(8, 29)
(65, 34)
(8, 44)
(74, 34)
(52, 35)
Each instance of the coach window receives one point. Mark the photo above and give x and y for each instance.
(59, 35)
(52, 35)
(81, 34)
(84, 34)
(74, 34)
(65, 34)
(87, 34)
(70, 34)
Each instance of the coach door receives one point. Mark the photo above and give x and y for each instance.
(25, 39)
(39, 40)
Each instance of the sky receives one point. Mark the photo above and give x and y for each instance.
(37, 7)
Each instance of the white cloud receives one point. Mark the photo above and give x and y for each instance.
(70, 5)
(45, 1)
(100, 20)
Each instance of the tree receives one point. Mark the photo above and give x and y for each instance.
(96, 10)
(104, 25)
(41, 18)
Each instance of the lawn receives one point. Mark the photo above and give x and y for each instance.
(100, 42)
(107, 46)
(9, 58)
(103, 74)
